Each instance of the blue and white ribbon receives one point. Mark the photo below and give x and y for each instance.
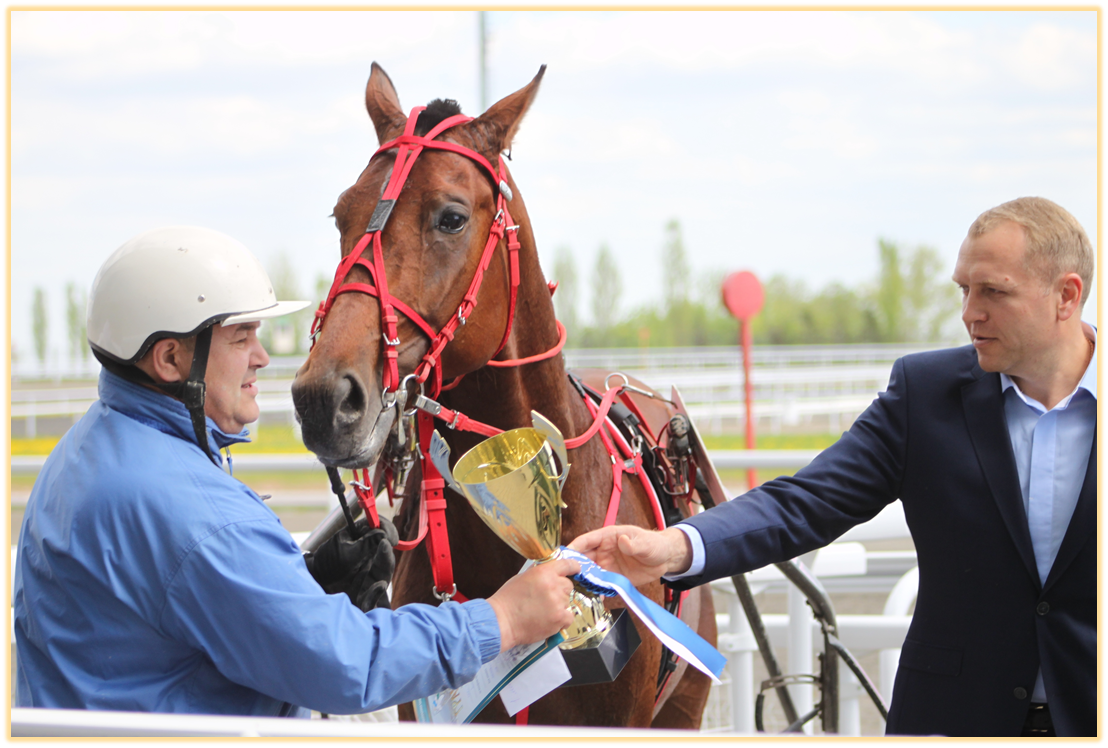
(671, 630)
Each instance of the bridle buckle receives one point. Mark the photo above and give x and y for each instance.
(444, 596)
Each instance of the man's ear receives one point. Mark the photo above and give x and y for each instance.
(169, 360)
(1071, 287)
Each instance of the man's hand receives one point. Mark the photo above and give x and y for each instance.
(640, 555)
(361, 568)
(535, 604)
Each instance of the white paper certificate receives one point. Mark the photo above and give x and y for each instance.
(535, 682)
(460, 705)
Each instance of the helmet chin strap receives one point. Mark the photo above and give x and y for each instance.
(192, 391)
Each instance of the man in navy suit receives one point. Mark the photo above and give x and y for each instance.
(991, 449)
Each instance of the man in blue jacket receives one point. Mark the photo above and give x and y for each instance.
(991, 448)
(148, 579)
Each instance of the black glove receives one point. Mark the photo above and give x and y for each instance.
(361, 568)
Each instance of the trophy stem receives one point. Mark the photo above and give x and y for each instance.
(591, 620)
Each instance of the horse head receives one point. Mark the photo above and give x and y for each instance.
(430, 249)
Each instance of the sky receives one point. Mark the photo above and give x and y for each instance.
(783, 141)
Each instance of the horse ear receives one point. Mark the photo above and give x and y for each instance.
(383, 105)
(497, 127)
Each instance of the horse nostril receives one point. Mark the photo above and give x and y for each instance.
(351, 399)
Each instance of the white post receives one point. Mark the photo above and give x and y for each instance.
(800, 652)
(850, 715)
(890, 660)
(898, 602)
(740, 666)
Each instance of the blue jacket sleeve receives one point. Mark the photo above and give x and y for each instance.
(244, 597)
(847, 484)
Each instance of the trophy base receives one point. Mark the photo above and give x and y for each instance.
(602, 662)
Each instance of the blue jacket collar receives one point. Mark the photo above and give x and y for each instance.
(162, 412)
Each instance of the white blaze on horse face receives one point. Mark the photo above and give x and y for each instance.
(385, 182)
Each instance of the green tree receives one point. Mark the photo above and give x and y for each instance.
(684, 319)
(565, 298)
(930, 297)
(288, 334)
(75, 322)
(606, 290)
(839, 316)
(675, 267)
(889, 294)
(914, 299)
(39, 324)
(782, 320)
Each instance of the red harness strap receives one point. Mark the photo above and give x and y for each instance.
(363, 489)
(434, 502)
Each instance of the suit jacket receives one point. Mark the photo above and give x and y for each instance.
(983, 625)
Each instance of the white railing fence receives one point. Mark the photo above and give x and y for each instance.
(792, 384)
(731, 705)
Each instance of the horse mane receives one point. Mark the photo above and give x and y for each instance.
(436, 112)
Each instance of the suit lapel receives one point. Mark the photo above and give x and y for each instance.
(1081, 523)
(983, 403)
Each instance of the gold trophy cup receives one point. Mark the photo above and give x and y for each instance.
(513, 484)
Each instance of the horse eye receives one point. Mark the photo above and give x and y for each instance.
(451, 222)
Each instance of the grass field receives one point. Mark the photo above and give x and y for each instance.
(267, 440)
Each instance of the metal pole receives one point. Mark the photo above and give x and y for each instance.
(482, 30)
(748, 343)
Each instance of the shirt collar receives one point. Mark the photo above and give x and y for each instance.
(1087, 383)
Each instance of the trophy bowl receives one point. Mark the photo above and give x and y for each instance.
(514, 485)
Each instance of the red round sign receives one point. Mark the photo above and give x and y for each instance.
(743, 295)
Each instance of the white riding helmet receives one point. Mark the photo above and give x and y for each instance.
(175, 281)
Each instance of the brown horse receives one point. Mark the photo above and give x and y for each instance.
(432, 244)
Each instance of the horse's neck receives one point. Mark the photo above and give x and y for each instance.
(505, 397)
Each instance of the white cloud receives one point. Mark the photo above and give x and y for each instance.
(92, 44)
(161, 126)
(918, 45)
(95, 44)
(1051, 58)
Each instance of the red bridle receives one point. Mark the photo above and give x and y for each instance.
(432, 518)
(409, 146)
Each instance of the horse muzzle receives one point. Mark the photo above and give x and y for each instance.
(342, 421)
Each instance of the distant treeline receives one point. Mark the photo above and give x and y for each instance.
(911, 300)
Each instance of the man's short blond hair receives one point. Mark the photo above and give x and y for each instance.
(1056, 243)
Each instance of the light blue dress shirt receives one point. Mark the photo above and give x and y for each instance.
(1052, 455)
